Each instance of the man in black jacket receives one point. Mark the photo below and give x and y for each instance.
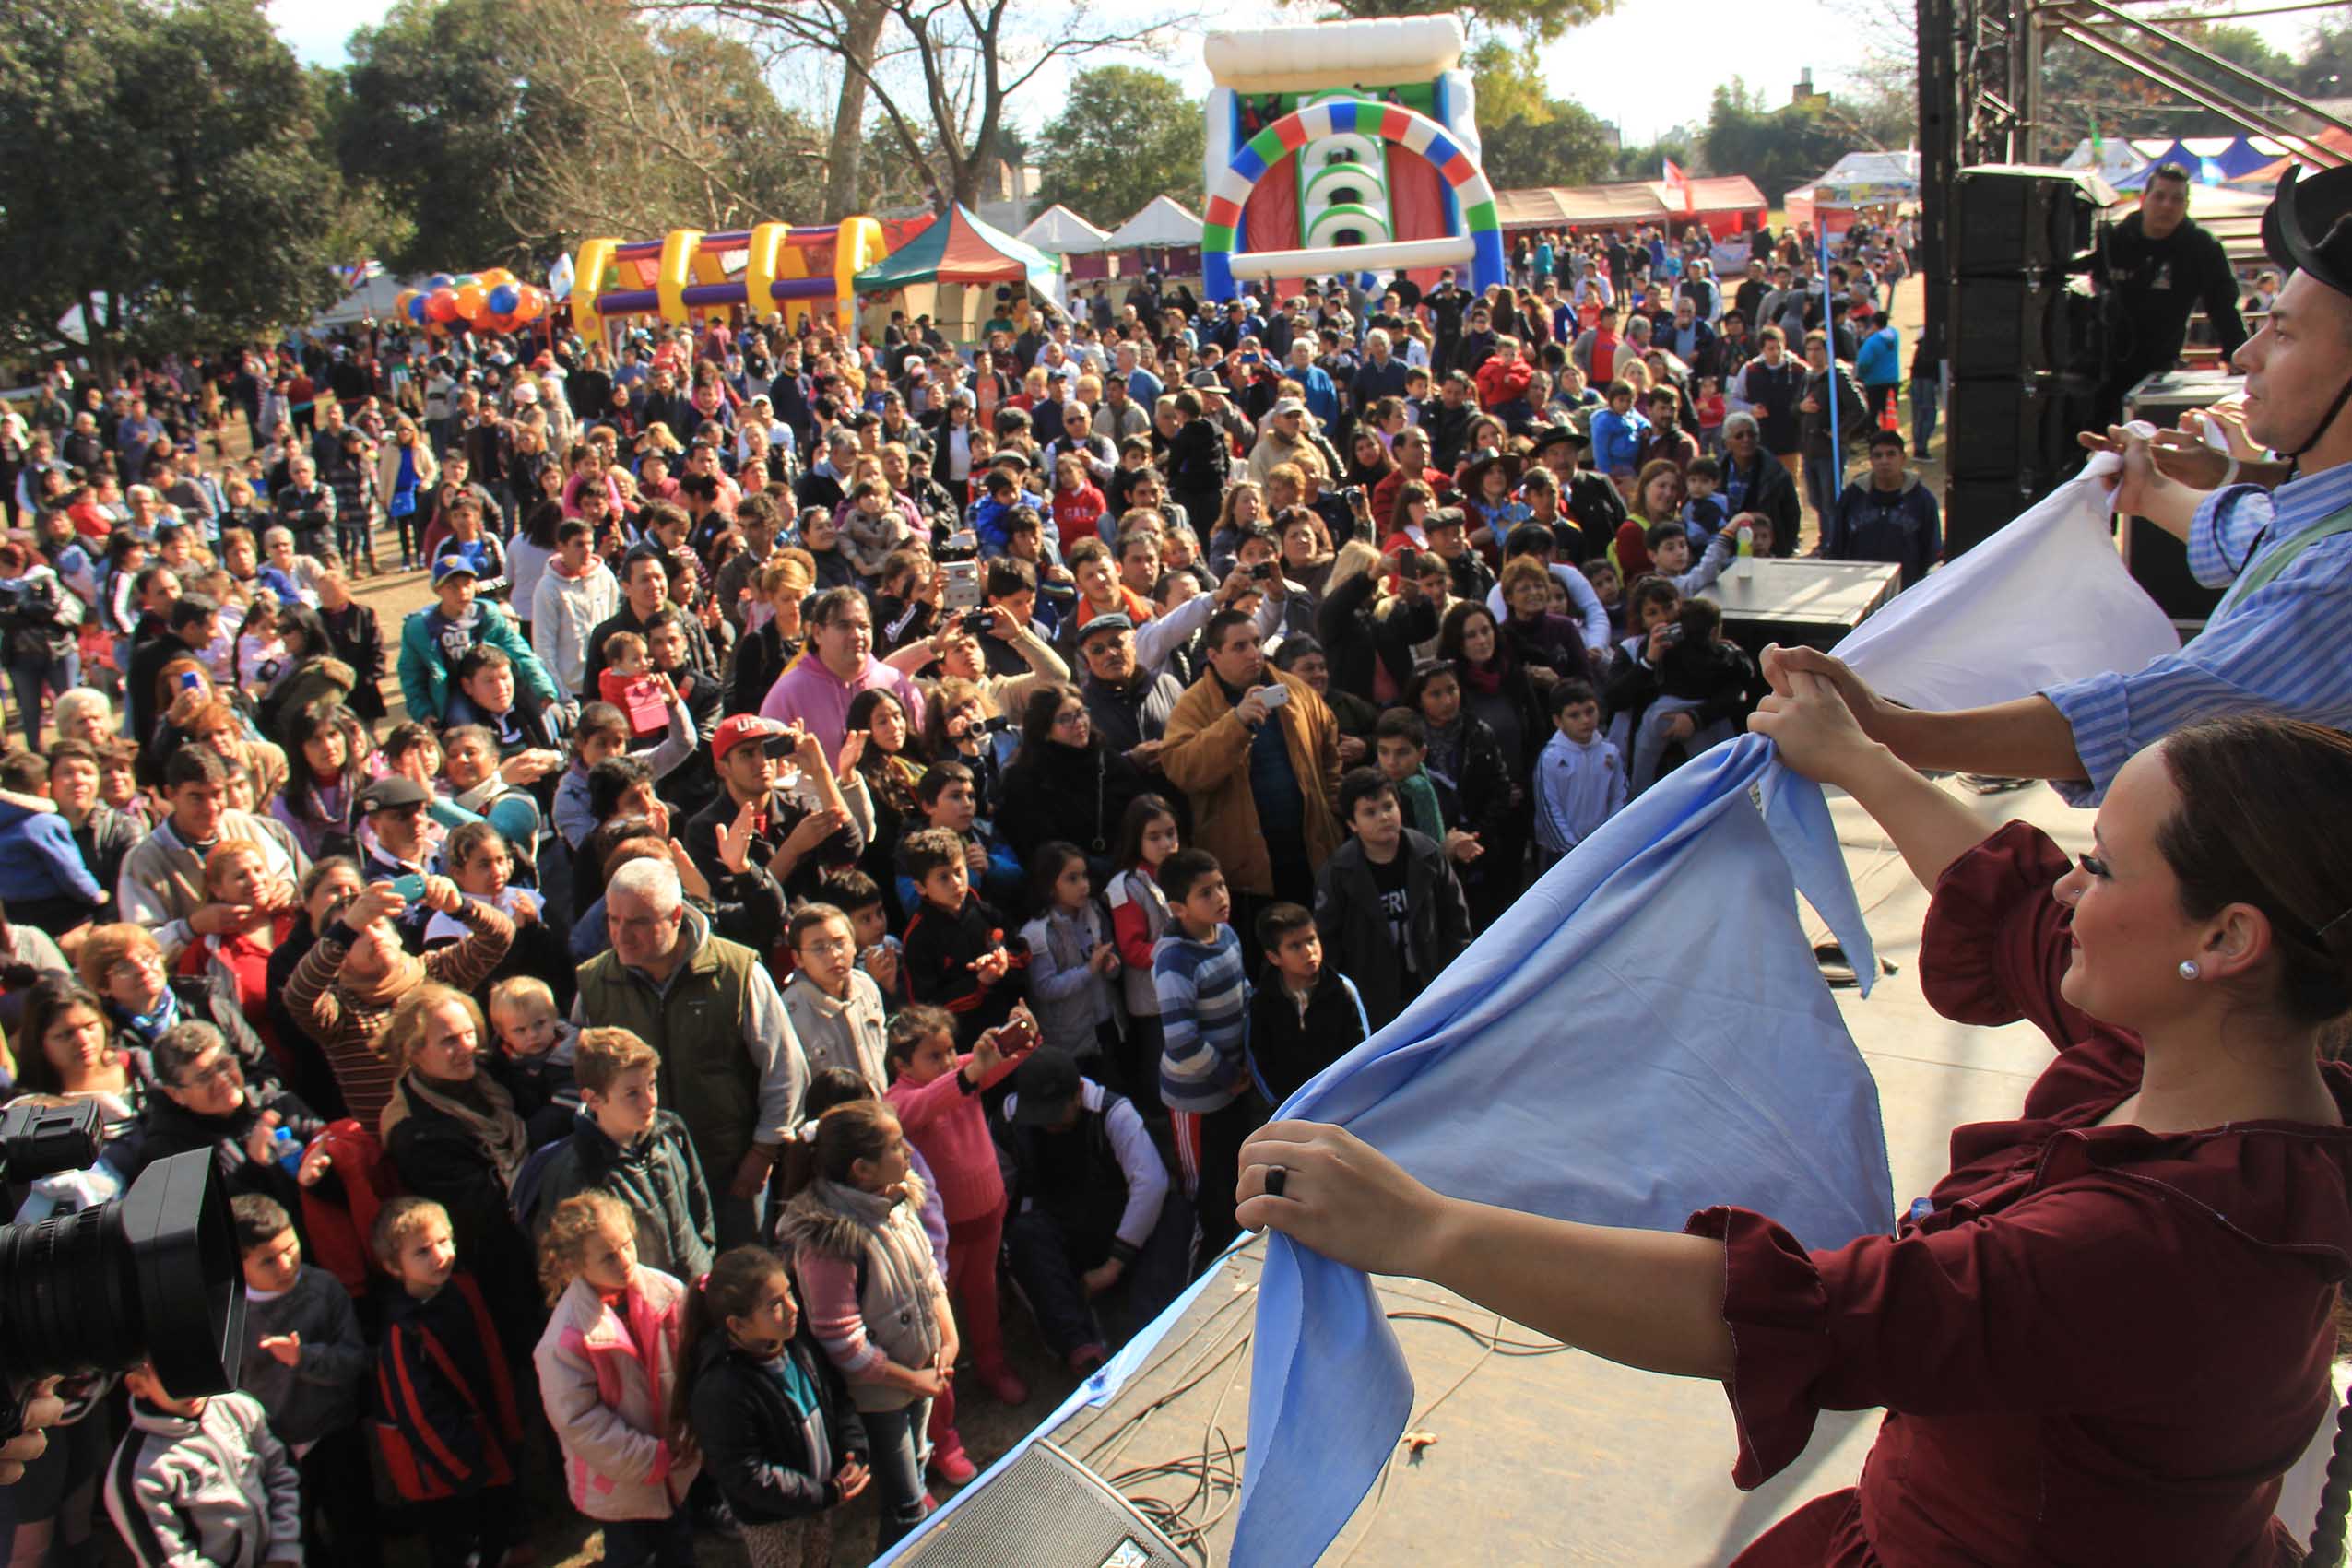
(1386, 902)
(2157, 266)
(1887, 516)
(797, 832)
(1304, 1014)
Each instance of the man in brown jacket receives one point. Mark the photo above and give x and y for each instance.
(1257, 752)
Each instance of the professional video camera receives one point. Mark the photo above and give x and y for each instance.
(153, 1275)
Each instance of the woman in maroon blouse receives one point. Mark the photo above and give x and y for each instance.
(2108, 1333)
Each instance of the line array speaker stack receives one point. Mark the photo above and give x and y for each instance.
(2024, 340)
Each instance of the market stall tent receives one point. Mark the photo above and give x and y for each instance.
(1725, 204)
(1063, 233)
(951, 270)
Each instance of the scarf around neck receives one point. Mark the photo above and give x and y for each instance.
(484, 1109)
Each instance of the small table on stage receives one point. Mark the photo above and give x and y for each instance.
(1801, 601)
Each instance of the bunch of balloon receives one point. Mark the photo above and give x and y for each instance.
(494, 299)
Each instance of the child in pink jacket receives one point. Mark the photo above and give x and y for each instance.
(937, 1096)
(609, 1369)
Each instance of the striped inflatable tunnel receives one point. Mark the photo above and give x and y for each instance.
(1481, 248)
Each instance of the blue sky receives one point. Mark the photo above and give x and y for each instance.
(1665, 86)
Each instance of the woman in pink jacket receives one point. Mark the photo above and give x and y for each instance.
(609, 1369)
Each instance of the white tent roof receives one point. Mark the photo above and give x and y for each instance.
(1874, 168)
(373, 298)
(1164, 222)
(1060, 230)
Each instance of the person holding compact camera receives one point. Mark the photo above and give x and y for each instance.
(1257, 752)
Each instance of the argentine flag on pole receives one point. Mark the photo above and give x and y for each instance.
(1599, 1054)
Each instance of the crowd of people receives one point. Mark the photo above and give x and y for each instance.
(870, 827)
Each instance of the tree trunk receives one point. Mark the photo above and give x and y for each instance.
(845, 163)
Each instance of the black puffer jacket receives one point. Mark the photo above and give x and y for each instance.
(755, 1444)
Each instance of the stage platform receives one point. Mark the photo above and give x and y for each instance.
(1560, 1457)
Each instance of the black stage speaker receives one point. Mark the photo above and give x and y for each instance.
(2019, 427)
(1046, 1511)
(2023, 324)
(2009, 219)
(2025, 340)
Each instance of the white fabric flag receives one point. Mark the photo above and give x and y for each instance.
(2044, 601)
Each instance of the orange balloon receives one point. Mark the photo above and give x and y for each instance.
(490, 277)
(532, 305)
(490, 320)
(470, 297)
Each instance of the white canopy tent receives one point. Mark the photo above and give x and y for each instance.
(372, 298)
(1163, 222)
(1063, 233)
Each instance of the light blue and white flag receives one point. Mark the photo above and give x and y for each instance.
(1645, 1033)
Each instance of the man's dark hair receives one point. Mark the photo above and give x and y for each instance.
(1888, 438)
(259, 1220)
(937, 777)
(194, 764)
(1402, 724)
(928, 850)
(1223, 621)
(1008, 576)
(1181, 871)
(851, 890)
(1277, 921)
(478, 658)
(1566, 694)
(612, 779)
(24, 772)
(1360, 784)
(2170, 171)
(191, 609)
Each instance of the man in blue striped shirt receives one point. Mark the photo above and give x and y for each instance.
(2281, 639)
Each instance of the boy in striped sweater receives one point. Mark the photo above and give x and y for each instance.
(1204, 1020)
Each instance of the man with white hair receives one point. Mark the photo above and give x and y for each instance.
(731, 1066)
(1382, 374)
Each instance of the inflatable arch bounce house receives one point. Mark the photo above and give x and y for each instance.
(1345, 147)
(770, 269)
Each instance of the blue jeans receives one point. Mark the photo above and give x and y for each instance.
(1927, 400)
(896, 1439)
(27, 680)
(650, 1543)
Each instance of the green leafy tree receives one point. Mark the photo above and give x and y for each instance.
(160, 171)
(1777, 148)
(506, 130)
(1125, 136)
(1540, 20)
(1528, 137)
(439, 97)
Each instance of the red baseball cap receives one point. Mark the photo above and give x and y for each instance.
(742, 727)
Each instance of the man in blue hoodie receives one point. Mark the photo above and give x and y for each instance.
(43, 881)
(1889, 515)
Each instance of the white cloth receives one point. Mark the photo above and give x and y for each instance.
(2044, 601)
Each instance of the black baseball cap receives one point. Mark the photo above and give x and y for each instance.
(1042, 1086)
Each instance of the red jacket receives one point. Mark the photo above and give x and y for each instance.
(2099, 1344)
(1500, 379)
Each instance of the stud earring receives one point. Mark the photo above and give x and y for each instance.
(2189, 969)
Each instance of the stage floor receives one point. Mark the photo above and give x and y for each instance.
(1561, 1457)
